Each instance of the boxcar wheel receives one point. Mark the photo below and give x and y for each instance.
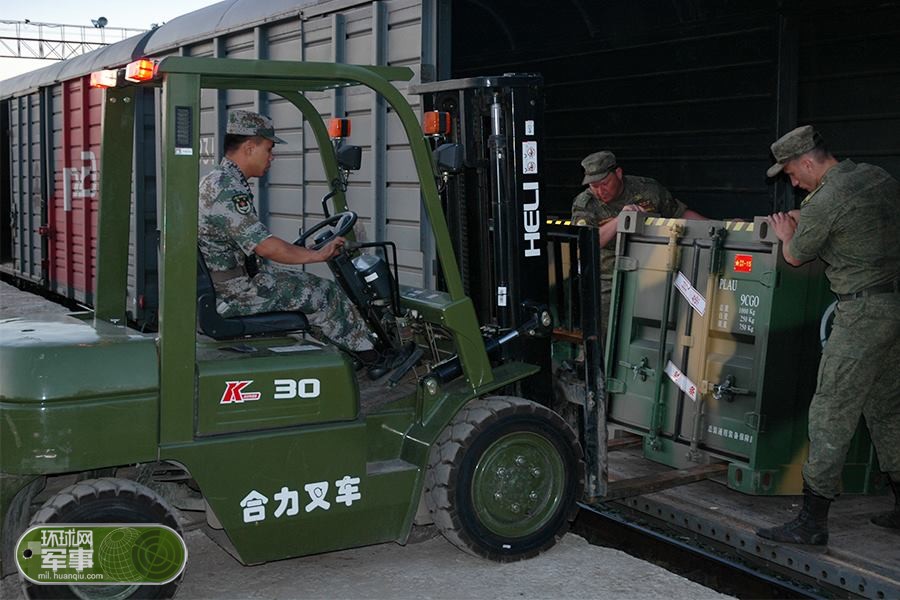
(504, 478)
(105, 500)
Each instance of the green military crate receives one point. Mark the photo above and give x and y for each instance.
(730, 375)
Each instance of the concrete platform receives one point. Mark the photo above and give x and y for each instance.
(16, 303)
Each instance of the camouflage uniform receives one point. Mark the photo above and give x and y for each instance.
(851, 221)
(588, 210)
(230, 230)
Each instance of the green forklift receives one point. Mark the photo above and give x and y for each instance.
(274, 435)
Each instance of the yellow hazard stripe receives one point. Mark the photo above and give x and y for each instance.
(660, 221)
(739, 226)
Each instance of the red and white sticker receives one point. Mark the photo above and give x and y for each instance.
(693, 297)
(681, 380)
(234, 392)
(743, 263)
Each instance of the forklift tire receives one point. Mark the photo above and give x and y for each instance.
(106, 500)
(504, 478)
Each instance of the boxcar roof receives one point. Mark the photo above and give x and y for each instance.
(203, 24)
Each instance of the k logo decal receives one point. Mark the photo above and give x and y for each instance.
(242, 204)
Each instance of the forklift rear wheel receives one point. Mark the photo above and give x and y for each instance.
(504, 478)
(106, 500)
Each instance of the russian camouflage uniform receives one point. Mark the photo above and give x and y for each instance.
(645, 192)
(851, 221)
(229, 231)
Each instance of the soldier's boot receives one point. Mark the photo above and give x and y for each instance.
(890, 519)
(364, 358)
(810, 527)
(388, 360)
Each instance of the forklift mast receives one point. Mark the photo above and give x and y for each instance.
(493, 207)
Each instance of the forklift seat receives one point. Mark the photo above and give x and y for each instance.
(220, 328)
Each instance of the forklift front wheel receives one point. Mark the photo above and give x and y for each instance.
(106, 500)
(504, 478)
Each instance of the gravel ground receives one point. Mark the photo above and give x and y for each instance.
(431, 570)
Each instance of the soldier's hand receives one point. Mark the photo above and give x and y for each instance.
(783, 224)
(332, 248)
(635, 207)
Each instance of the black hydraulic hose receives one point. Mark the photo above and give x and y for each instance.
(451, 369)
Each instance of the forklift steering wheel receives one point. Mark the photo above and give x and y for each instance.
(338, 225)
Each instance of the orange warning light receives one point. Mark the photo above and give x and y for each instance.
(104, 79)
(339, 128)
(140, 70)
(436, 123)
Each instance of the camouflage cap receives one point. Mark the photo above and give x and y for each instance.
(244, 122)
(597, 166)
(791, 145)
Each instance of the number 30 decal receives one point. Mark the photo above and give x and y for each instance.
(285, 389)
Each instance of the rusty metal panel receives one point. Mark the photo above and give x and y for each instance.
(76, 201)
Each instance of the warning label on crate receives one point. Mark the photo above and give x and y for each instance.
(694, 298)
(681, 380)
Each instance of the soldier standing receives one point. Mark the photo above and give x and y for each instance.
(850, 219)
(231, 236)
(609, 192)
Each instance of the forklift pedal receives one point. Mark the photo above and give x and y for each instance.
(404, 368)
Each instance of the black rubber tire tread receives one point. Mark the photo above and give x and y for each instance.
(444, 471)
(75, 503)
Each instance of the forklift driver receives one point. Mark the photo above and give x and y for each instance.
(231, 237)
(610, 192)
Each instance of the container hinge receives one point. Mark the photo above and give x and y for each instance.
(753, 421)
(615, 386)
(626, 263)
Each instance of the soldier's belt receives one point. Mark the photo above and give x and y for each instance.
(223, 276)
(892, 287)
